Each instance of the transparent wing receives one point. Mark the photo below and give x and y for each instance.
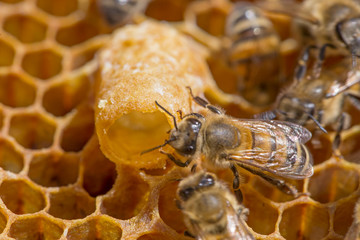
(339, 87)
(288, 8)
(294, 131)
(236, 226)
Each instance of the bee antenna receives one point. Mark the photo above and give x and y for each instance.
(174, 119)
(162, 145)
(317, 122)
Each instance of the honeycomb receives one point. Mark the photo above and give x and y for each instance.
(57, 182)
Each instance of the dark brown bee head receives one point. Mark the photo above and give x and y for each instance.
(297, 110)
(202, 201)
(188, 187)
(183, 139)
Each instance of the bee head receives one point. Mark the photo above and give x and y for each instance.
(183, 138)
(197, 182)
(349, 33)
(293, 108)
(184, 135)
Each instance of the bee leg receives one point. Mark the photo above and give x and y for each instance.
(354, 97)
(320, 60)
(202, 102)
(236, 184)
(280, 184)
(188, 234)
(344, 123)
(302, 64)
(193, 168)
(268, 115)
(177, 161)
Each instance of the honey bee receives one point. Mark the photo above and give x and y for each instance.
(263, 147)
(210, 210)
(119, 12)
(319, 22)
(253, 52)
(306, 101)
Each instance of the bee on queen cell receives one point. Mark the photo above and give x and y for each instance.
(267, 148)
(210, 210)
(253, 52)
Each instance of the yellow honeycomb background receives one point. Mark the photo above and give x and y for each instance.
(55, 183)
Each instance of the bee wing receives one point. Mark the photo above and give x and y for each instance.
(353, 232)
(236, 226)
(288, 8)
(294, 131)
(285, 155)
(339, 87)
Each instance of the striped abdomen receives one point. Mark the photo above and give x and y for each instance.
(254, 50)
(275, 146)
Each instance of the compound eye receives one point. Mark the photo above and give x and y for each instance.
(207, 181)
(194, 124)
(186, 193)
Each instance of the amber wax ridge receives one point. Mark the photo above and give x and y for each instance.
(142, 64)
